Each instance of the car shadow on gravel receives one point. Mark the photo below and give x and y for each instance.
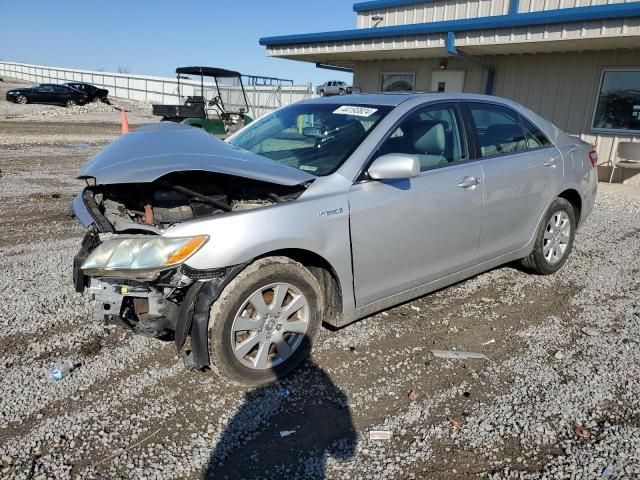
(286, 429)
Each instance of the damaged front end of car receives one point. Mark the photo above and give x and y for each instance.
(135, 269)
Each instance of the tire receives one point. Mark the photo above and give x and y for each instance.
(70, 103)
(22, 100)
(242, 354)
(342, 92)
(322, 93)
(553, 241)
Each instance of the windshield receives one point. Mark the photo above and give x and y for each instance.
(315, 138)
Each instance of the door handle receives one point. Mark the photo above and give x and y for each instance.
(469, 182)
(551, 163)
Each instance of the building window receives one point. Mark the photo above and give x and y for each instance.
(618, 105)
(398, 82)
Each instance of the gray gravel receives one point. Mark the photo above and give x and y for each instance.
(131, 411)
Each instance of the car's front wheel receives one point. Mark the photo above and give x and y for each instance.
(22, 100)
(265, 321)
(554, 239)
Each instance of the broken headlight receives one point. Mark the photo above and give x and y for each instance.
(139, 257)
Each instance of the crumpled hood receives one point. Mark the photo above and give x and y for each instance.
(158, 149)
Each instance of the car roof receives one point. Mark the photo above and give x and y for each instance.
(396, 98)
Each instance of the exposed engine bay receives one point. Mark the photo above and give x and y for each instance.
(178, 197)
(153, 307)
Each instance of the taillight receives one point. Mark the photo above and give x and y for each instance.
(593, 156)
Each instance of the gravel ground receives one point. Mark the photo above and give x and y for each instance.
(557, 397)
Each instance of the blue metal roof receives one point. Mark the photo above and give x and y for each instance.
(377, 4)
(547, 17)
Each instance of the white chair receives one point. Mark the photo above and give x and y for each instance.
(627, 156)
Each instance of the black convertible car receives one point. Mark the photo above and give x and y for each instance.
(94, 93)
(48, 93)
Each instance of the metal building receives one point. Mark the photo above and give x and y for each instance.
(575, 62)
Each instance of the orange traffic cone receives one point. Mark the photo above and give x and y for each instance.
(124, 121)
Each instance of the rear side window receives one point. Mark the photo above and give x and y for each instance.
(535, 138)
(498, 129)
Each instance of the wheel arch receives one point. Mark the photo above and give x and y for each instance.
(193, 318)
(325, 273)
(573, 197)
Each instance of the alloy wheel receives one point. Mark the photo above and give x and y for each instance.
(269, 326)
(556, 237)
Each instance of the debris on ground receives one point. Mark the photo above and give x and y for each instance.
(456, 421)
(457, 355)
(61, 370)
(582, 432)
(607, 472)
(591, 332)
(379, 435)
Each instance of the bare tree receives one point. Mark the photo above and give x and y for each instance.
(122, 69)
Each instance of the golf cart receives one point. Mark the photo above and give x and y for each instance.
(211, 115)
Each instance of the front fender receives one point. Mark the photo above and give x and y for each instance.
(319, 225)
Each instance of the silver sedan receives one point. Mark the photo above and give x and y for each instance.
(328, 210)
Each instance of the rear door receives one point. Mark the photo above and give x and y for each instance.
(522, 174)
(406, 233)
(62, 94)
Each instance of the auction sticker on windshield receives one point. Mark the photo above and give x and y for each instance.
(354, 110)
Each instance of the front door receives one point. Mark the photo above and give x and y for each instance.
(44, 94)
(409, 232)
(522, 174)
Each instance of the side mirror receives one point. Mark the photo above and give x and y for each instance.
(394, 166)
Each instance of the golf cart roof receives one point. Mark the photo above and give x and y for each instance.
(207, 71)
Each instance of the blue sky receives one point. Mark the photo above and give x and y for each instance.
(153, 37)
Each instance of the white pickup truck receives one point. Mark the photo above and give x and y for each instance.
(335, 87)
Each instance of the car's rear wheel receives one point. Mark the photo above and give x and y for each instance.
(22, 100)
(554, 239)
(265, 321)
(71, 103)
